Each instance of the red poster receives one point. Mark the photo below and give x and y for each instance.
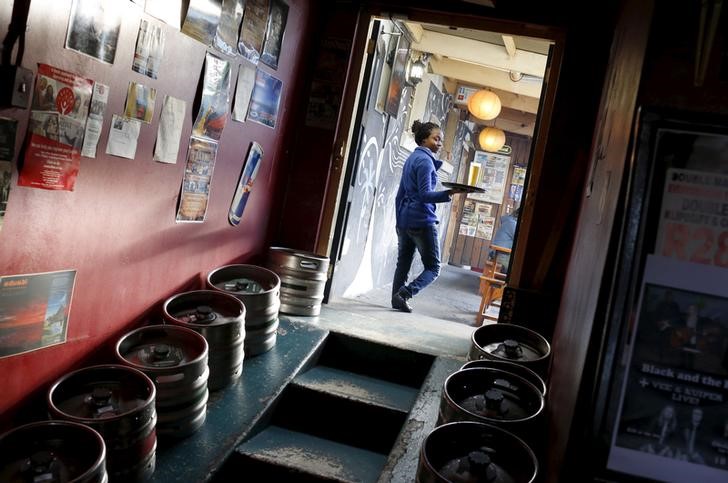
(55, 131)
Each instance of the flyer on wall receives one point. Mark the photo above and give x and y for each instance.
(149, 49)
(694, 217)
(34, 310)
(252, 30)
(93, 28)
(202, 19)
(672, 422)
(226, 37)
(169, 131)
(95, 120)
(243, 91)
(123, 137)
(140, 101)
(55, 131)
(245, 184)
(212, 116)
(274, 33)
(265, 99)
(492, 176)
(196, 184)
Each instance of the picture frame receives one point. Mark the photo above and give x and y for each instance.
(667, 144)
(397, 79)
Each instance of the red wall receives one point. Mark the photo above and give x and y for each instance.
(117, 228)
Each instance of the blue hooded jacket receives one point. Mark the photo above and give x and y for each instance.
(416, 199)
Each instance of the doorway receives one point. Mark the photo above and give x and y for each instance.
(391, 95)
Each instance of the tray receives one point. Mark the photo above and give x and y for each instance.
(465, 187)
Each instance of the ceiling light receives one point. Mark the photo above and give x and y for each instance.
(492, 139)
(416, 72)
(485, 105)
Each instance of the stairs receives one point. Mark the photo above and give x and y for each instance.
(337, 420)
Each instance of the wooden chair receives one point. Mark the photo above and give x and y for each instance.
(492, 284)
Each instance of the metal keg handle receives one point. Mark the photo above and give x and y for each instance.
(309, 265)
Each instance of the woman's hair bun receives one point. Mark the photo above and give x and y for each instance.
(416, 126)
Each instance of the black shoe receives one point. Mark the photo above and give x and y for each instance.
(400, 303)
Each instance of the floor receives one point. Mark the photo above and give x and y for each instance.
(453, 297)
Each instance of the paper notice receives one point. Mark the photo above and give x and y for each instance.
(140, 102)
(246, 82)
(99, 98)
(170, 130)
(123, 137)
(149, 49)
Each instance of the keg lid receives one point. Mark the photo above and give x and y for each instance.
(101, 392)
(494, 394)
(161, 346)
(511, 342)
(204, 308)
(241, 285)
(52, 452)
(512, 367)
(243, 280)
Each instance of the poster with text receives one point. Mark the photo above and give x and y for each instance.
(55, 131)
(226, 36)
(169, 131)
(202, 19)
(265, 100)
(277, 19)
(694, 217)
(196, 184)
(245, 184)
(34, 310)
(95, 120)
(492, 176)
(243, 91)
(123, 137)
(93, 28)
(149, 49)
(213, 113)
(252, 30)
(672, 423)
(140, 101)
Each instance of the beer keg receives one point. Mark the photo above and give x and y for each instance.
(511, 367)
(118, 402)
(219, 318)
(175, 359)
(259, 289)
(303, 279)
(511, 343)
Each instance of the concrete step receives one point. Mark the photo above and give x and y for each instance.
(357, 387)
(278, 454)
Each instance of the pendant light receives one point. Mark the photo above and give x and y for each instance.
(485, 105)
(492, 139)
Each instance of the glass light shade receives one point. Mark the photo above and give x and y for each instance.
(416, 72)
(492, 139)
(485, 105)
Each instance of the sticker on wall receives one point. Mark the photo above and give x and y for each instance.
(170, 130)
(243, 91)
(95, 120)
(226, 37)
(274, 33)
(93, 28)
(245, 184)
(34, 310)
(55, 131)
(140, 102)
(168, 11)
(196, 184)
(212, 116)
(202, 19)
(252, 30)
(149, 49)
(265, 100)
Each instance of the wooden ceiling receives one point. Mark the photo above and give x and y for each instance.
(513, 67)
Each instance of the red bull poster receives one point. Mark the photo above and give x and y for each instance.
(34, 310)
(245, 184)
(55, 131)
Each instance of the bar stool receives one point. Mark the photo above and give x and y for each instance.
(492, 284)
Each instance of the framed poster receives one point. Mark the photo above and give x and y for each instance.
(396, 82)
(660, 410)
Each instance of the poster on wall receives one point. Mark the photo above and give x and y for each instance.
(34, 310)
(245, 184)
(93, 28)
(55, 131)
(243, 91)
(671, 424)
(169, 131)
(252, 30)
(149, 49)
(226, 36)
(140, 101)
(123, 136)
(492, 176)
(212, 116)
(265, 100)
(95, 120)
(196, 183)
(693, 223)
(396, 82)
(274, 33)
(202, 19)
